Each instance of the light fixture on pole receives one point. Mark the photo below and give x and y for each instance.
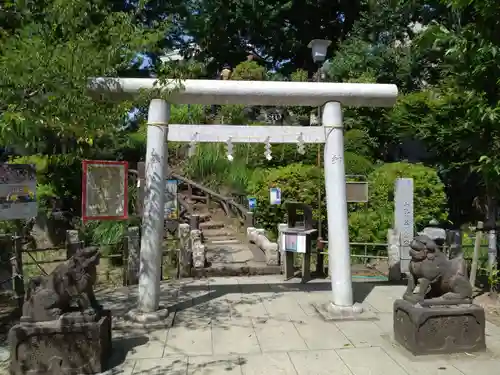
(318, 49)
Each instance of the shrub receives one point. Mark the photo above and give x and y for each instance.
(356, 164)
(298, 182)
(370, 223)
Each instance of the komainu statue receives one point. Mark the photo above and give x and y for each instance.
(439, 317)
(68, 288)
(63, 329)
(440, 280)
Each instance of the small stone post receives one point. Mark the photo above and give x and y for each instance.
(454, 242)
(73, 243)
(185, 256)
(394, 261)
(198, 249)
(133, 255)
(281, 228)
(249, 220)
(320, 259)
(195, 222)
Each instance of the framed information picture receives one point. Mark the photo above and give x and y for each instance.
(294, 242)
(104, 190)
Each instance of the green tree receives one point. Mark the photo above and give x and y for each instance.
(48, 52)
(45, 65)
(457, 116)
(276, 31)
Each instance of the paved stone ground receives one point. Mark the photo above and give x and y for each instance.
(262, 325)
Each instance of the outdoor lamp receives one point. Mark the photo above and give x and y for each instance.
(319, 48)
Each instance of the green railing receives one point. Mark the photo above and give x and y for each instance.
(365, 250)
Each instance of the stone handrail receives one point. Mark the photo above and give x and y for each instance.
(259, 238)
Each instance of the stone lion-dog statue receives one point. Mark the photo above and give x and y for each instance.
(71, 283)
(440, 280)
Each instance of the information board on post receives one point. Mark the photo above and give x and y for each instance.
(252, 203)
(104, 190)
(275, 196)
(17, 191)
(294, 242)
(403, 218)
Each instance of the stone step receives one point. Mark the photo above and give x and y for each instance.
(231, 247)
(223, 269)
(204, 216)
(211, 225)
(229, 253)
(222, 232)
(222, 241)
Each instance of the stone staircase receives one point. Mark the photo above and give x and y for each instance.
(228, 251)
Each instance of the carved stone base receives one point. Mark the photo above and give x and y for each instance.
(73, 344)
(439, 329)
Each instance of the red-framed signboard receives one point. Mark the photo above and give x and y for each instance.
(104, 190)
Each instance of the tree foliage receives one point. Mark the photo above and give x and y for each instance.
(370, 223)
(276, 31)
(442, 54)
(46, 62)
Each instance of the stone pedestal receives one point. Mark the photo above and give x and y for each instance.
(439, 329)
(73, 344)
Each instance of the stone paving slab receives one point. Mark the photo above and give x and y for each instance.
(263, 325)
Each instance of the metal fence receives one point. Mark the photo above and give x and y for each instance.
(361, 250)
(19, 262)
(378, 251)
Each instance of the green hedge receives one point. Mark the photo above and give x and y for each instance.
(370, 223)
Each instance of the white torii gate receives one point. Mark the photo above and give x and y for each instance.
(268, 93)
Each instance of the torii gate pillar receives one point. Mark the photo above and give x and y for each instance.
(336, 205)
(154, 207)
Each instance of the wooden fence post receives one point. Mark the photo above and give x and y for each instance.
(17, 270)
(132, 248)
(73, 243)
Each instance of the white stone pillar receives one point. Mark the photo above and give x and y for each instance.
(336, 203)
(154, 206)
